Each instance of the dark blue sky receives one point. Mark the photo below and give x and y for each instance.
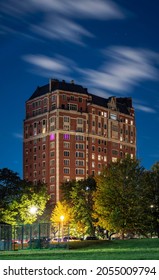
(110, 47)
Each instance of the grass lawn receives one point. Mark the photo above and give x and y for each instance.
(134, 249)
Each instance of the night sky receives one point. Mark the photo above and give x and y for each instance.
(110, 47)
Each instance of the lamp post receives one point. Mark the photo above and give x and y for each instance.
(62, 219)
(32, 211)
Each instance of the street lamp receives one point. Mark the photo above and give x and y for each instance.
(33, 210)
(62, 219)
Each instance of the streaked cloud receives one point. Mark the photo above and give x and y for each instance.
(84, 8)
(18, 135)
(46, 62)
(123, 68)
(145, 109)
(56, 19)
(61, 29)
(46, 66)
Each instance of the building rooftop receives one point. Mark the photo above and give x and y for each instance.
(55, 85)
(122, 104)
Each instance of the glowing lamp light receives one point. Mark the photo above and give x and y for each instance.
(62, 218)
(33, 210)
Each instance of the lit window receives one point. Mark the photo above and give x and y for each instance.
(114, 159)
(113, 116)
(66, 137)
(99, 157)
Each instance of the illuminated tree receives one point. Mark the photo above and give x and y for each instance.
(18, 196)
(119, 197)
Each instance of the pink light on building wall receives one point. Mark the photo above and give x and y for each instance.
(52, 137)
(66, 137)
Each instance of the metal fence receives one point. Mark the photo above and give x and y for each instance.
(5, 237)
(35, 236)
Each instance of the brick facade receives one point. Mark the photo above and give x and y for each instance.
(70, 134)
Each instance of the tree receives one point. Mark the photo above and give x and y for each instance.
(18, 196)
(119, 197)
(82, 204)
(79, 196)
(152, 190)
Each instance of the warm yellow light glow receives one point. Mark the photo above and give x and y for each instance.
(33, 210)
(62, 218)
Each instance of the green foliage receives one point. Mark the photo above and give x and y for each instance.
(119, 197)
(18, 196)
(79, 197)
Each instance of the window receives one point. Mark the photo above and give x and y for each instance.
(66, 145)
(72, 107)
(113, 116)
(52, 179)
(66, 137)
(52, 145)
(66, 170)
(80, 154)
(93, 156)
(79, 162)
(80, 99)
(80, 146)
(52, 119)
(66, 162)
(53, 98)
(66, 127)
(114, 152)
(79, 138)
(45, 101)
(52, 154)
(66, 119)
(79, 129)
(52, 171)
(79, 121)
(115, 128)
(93, 148)
(105, 158)
(66, 153)
(53, 106)
(52, 162)
(99, 157)
(80, 171)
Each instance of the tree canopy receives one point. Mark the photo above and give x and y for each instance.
(18, 196)
(118, 199)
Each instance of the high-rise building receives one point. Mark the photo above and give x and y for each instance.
(70, 133)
